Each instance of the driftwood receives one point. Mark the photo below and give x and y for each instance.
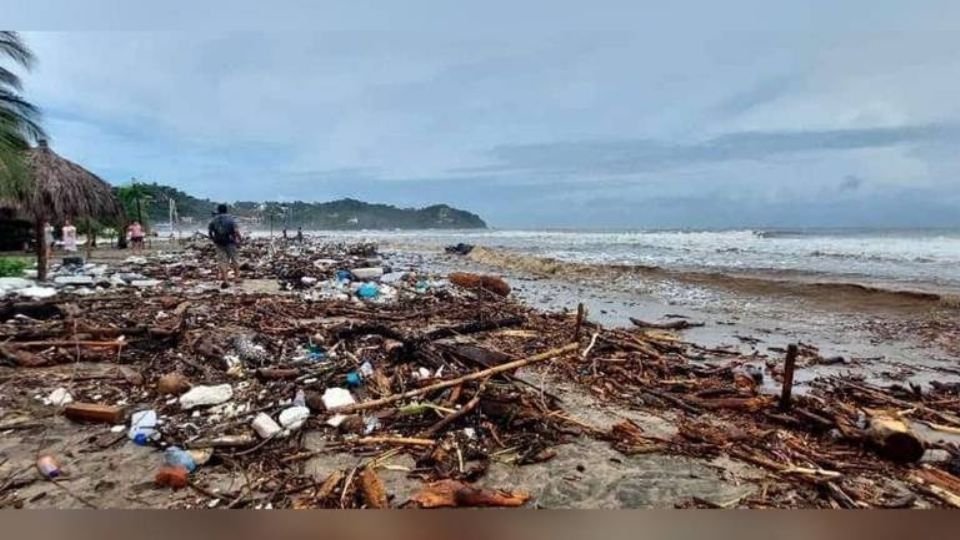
(472, 328)
(680, 324)
(451, 418)
(459, 380)
(894, 438)
(34, 310)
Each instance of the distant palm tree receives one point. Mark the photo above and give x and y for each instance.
(19, 120)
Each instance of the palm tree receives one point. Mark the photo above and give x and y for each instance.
(18, 118)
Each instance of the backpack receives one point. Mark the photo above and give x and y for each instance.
(222, 230)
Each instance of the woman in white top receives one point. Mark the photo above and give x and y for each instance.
(69, 236)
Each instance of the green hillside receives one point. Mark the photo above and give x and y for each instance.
(341, 214)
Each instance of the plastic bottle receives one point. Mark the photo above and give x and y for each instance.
(48, 466)
(300, 400)
(176, 456)
(142, 426)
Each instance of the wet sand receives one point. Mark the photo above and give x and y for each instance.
(885, 336)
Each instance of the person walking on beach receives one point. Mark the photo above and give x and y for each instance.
(299, 235)
(69, 236)
(135, 233)
(285, 238)
(225, 235)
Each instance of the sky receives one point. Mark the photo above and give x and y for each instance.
(533, 114)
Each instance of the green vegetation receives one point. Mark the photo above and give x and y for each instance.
(18, 118)
(13, 266)
(344, 214)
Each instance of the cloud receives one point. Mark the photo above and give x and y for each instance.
(533, 114)
(636, 156)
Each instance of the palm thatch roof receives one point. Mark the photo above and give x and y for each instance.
(62, 190)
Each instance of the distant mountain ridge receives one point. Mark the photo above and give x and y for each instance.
(343, 214)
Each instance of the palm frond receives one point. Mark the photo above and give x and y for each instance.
(12, 46)
(10, 79)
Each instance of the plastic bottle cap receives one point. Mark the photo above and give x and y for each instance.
(140, 439)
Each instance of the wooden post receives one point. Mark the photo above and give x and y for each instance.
(788, 366)
(581, 312)
(41, 241)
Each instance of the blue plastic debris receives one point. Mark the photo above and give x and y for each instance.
(344, 275)
(353, 379)
(368, 290)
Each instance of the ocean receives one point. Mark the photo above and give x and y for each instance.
(915, 259)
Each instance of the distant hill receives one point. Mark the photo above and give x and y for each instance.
(342, 214)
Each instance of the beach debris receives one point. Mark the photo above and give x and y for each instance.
(48, 466)
(894, 438)
(334, 398)
(366, 273)
(292, 418)
(200, 396)
(427, 373)
(372, 490)
(175, 456)
(175, 477)
(174, 383)
(59, 397)
(679, 324)
(459, 249)
(37, 292)
(265, 426)
(143, 426)
(94, 413)
(493, 284)
(454, 494)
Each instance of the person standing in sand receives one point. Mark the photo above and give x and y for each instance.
(69, 237)
(135, 233)
(225, 235)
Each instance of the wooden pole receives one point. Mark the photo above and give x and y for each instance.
(454, 382)
(581, 312)
(788, 366)
(41, 241)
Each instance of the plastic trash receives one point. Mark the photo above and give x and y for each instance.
(367, 273)
(48, 466)
(368, 291)
(300, 400)
(176, 456)
(370, 424)
(294, 417)
(392, 277)
(344, 276)
(59, 397)
(353, 379)
(308, 281)
(265, 426)
(316, 353)
(143, 426)
(366, 369)
(199, 396)
(37, 292)
(337, 397)
(73, 280)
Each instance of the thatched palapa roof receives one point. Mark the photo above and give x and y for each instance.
(64, 190)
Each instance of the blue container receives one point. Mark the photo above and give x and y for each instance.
(353, 379)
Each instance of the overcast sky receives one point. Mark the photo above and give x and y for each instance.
(610, 114)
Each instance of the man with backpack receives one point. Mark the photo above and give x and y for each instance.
(225, 235)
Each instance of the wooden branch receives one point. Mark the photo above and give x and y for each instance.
(509, 366)
(680, 324)
(451, 418)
